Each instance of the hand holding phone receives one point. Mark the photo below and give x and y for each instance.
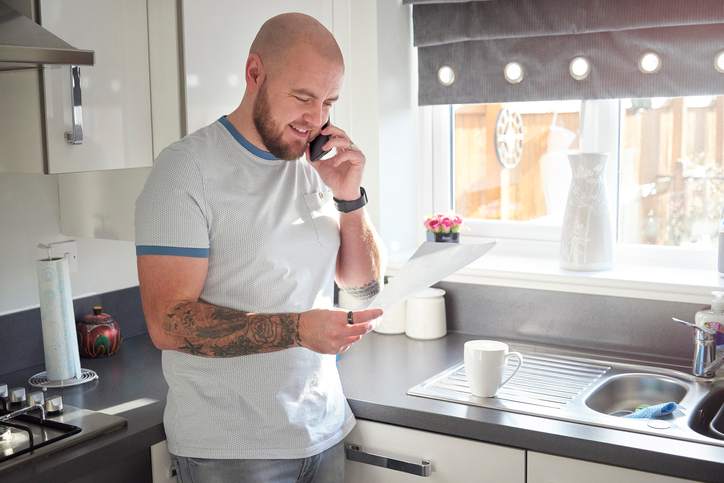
(315, 145)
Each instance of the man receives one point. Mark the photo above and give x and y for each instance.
(238, 243)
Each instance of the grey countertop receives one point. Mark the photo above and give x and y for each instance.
(376, 374)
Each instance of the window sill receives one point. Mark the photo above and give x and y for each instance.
(639, 272)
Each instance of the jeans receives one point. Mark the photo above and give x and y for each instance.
(326, 467)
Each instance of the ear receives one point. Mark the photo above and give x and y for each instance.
(254, 71)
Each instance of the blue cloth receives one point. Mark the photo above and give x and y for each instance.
(655, 411)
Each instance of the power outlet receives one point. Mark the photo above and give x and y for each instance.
(69, 249)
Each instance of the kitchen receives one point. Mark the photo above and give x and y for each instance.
(437, 140)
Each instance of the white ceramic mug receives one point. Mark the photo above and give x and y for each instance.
(484, 365)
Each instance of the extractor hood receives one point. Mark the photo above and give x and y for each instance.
(25, 44)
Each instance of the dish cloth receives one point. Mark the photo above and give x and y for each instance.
(655, 411)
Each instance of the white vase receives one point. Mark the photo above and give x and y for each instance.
(586, 235)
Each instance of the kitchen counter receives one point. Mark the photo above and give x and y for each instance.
(393, 364)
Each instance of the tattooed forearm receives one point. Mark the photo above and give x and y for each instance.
(365, 292)
(209, 330)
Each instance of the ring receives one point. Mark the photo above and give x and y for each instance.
(350, 320)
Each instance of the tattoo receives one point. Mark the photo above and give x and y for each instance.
(213, 331)
(365, 292)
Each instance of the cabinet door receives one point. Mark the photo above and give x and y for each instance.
(451, 459)
(161, 467)
(115, 92)
(543, 468)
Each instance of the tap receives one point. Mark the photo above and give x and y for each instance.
(705, 362)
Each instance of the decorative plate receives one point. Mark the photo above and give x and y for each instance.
(509, 133)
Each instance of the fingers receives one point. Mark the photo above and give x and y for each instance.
(366, 315)
(341, 143)
(358, 329)
(332, 130)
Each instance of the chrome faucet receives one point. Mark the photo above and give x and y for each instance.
(705, 362)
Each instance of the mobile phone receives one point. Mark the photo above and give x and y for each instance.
(315, 145)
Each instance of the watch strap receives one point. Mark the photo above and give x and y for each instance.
(346, 206)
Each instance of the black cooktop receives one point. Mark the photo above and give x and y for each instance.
(28, 436)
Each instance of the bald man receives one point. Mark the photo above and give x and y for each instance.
(239, 237)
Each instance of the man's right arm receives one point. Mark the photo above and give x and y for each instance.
(178, 320)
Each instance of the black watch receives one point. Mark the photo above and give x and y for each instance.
(347, 206)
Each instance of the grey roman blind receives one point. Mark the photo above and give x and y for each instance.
(478, 39)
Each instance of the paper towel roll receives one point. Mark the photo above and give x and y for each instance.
(60, 343)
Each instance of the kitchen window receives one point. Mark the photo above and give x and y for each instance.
(664, 178)
(508, 173)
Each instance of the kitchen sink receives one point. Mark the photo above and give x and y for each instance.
(620, 395)
(708, 416)
(558, 385)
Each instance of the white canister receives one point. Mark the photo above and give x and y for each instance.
(393, 321)
(426, 314)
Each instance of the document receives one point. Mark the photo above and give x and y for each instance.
(431, 263)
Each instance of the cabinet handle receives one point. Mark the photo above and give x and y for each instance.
(76, 135)
(417, 467)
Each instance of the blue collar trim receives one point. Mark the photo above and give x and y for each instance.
(244, 142)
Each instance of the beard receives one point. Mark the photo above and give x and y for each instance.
(271, 134)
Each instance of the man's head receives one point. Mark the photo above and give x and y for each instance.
(293, 76)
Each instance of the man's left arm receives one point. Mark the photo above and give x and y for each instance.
(359, 261)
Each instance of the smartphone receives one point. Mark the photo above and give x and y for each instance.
(315, 145)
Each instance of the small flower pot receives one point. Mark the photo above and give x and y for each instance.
(443, 237)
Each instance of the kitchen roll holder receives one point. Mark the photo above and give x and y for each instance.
(60, 343)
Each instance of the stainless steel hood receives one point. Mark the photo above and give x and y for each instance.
(25, 44)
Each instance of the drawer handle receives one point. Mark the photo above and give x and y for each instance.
(416, 467)
(76, 135)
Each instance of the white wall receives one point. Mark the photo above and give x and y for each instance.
(382, 102)
(29, 214)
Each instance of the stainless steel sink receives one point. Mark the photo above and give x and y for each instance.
(621, 395)
(591, 391)
(703, 417)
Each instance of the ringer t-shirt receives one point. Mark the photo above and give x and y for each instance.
(271, 236)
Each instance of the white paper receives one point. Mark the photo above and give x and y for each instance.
(431, 263)
(60, 343)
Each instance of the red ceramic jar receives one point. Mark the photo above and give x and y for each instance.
(98, 334)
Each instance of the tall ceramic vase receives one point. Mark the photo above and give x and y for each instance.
(586, 235)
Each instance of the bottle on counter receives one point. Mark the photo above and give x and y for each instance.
(713, 318)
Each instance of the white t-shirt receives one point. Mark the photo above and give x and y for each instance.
(271, 236)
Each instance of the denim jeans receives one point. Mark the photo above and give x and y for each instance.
(326, 467)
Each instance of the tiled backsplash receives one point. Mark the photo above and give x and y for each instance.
(21, 337)
(640, 328)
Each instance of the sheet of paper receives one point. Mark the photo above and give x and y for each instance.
(431, 263)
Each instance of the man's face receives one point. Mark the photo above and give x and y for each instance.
(294, 102)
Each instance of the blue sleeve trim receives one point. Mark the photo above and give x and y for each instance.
(174, 251)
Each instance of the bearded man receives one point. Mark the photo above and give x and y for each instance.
(239, 237)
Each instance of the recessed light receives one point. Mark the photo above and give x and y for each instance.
(719, 62)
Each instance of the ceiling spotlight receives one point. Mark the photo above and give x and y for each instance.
(650, 63)
(579, 68)
(446, 75)
(513, 72)
(719, 62)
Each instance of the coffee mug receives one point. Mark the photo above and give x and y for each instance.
(484, 365)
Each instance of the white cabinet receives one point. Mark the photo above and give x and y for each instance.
(161, 467)
(543, 468)
(115, 95)
(100, 203)
(451, 459)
